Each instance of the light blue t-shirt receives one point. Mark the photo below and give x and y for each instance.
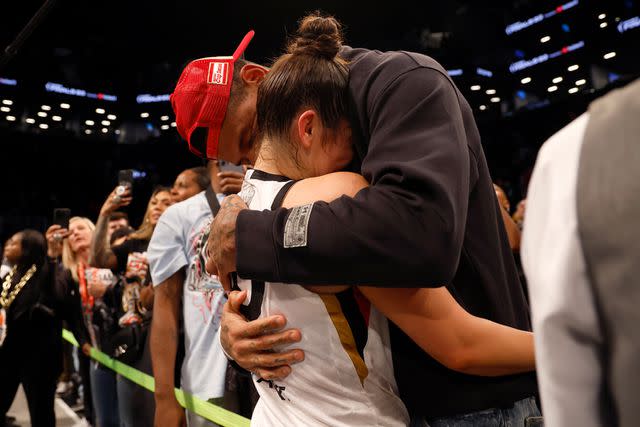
(179, 241)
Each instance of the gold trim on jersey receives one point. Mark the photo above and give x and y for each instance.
(345, 334)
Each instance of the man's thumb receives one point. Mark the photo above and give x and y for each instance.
(236, 298)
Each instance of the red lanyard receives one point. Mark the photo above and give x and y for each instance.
(87, 300)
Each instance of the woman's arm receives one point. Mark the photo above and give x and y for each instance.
(101, 254)
(452, 336)
(431, 317)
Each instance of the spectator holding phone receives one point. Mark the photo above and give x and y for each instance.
(73, 247)
(136, 404)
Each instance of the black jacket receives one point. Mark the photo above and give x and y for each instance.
(429, 218)
(34, 319)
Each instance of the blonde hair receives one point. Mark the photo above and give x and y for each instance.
(145, 230)
(70, 258)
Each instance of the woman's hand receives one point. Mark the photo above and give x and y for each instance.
(96, 285)
(119, 197)
(137, 266)
(55, 235)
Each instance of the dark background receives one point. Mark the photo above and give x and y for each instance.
(131, 48)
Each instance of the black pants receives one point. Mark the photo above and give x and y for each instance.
(39, 384)
(84, 363)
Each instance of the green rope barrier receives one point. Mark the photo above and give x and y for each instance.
(194, 404)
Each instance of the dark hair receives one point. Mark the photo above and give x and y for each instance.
(117, 216)
(202, 177)
(309, 75)
(238, 91)
(120, 232)
(34, 250)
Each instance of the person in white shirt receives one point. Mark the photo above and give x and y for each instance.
(176, 259)
(580, 252)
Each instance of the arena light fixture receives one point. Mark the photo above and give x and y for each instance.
(11, 118)
(88, 131)
(491, 91)
(580, 82)
(495, 99)
(100, 110)
(609, 55)
(573, 90)
(42, 114)
(117, 131)
(45, 108)
(5, 109)
(43, 126)
(483, 107)
(525, 80)
(552, 88)
(7, 102)
(164, 118)
(573, 67)
(173, 124)
(164, 127)
(105, 123)
(65, 106)
(144, 115)
(111, 117)
(475, 87)
(557, 80)
(105, 130)
(56, 118)
(30, 121)
(603, 25)
(602, 16)
(545, 39)
(89, 122)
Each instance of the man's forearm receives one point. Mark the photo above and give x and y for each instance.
(396, 244)
(100, 251)
(164, 334)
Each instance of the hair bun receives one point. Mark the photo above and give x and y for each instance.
(317, 35)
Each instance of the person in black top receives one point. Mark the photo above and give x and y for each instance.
(136, 403)
(35, 302)
(429, 217)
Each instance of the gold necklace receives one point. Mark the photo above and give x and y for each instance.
(6, 297)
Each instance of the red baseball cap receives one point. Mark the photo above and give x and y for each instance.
(200, 99)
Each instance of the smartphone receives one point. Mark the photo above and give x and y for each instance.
(229, 167)
(61, 217)
(125, 177)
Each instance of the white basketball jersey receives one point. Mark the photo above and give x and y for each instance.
(347, 377)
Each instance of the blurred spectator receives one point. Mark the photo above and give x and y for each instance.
(75, 256)
(136, 404)
(502, 198)
(513, 232)
(117, 220)
(518, 215)
(189, 183)
(33, 305)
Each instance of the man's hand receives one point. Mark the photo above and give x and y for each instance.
(231, 181)
(221, 247)
(169, 413)
(251, 344)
